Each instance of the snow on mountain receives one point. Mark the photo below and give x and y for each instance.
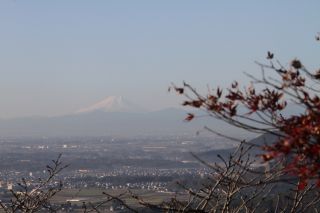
(112, 104)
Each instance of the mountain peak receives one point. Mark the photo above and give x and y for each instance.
(112, 104)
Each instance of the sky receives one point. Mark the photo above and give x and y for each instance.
(59, 56)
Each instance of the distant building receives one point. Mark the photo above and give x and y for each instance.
(9, 186)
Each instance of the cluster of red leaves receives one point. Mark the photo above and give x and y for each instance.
(227, 106)
(300, 134)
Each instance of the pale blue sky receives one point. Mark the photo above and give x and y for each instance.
(60, 55)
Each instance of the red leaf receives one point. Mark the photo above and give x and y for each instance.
(302, 184)
(197, 104)
(219, 92)
(234, 85)
(179, 90)
(189, 117)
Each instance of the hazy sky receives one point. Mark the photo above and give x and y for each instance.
(61, 55)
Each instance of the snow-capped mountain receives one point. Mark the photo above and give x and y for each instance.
(112, 104)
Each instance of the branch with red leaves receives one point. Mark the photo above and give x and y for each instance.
(262, 112)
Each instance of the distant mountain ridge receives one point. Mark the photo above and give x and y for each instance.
(255, 151)
(114, 115)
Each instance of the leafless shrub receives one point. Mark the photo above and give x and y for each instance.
(35, 197)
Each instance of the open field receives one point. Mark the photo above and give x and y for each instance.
(95, 196)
